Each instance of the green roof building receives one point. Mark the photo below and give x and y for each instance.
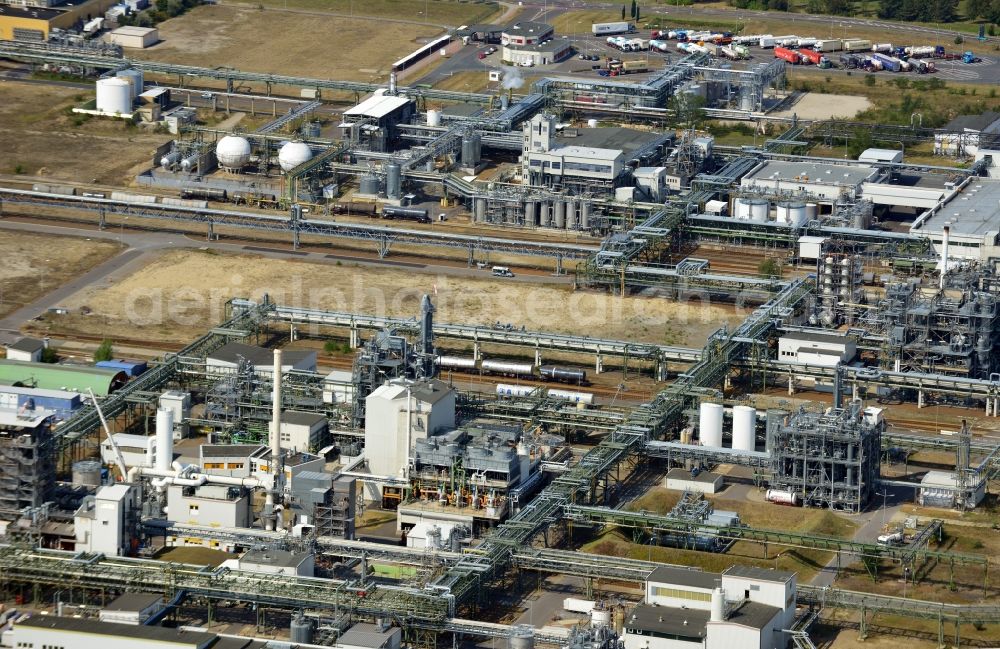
(71, 378)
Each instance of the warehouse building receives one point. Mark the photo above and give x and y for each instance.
(973, 221)
(374, 121)
(70, 378)
(135, 37)
(35, 23)
(37, 401)
(132, 608)
(227, 358)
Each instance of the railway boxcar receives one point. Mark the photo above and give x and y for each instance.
(562, 374)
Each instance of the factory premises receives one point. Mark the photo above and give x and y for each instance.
(486, 485)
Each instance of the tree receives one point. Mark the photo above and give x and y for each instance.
(633, 9)
(49, 355)
(769, 268)
(623, 12)
(688, 109)
(637, 14)
(104, 352)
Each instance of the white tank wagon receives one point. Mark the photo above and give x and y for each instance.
(508, 368)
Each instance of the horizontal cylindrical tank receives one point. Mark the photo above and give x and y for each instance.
(504, 367)
(207, 193)
(565, 374)
(87, 473)
(744, 428)
(170, 159)
(710, 424)
(507, 390)
(132, 198)
(190, 162)
(783, 497)
(585, 398)
(114, 96)
(455, 362)
(183, 202)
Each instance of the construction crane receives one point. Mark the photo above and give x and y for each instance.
(119, 459)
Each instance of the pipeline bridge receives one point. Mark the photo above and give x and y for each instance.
(295, 227)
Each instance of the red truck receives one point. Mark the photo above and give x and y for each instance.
(811, 56)
(788, 55)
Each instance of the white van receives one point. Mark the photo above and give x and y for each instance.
(502, 271)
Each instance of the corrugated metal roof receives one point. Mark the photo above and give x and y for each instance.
(61, 377)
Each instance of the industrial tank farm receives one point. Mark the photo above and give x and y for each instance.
(600, 325)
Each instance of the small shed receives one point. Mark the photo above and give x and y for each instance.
(135, 37)
(26, 349)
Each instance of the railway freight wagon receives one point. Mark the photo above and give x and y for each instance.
(549, 373)
(391, 213)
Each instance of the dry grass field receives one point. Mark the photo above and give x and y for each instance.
(182, 293)
(44, 141)
(35, 264)
(446, 12)
(296, 43)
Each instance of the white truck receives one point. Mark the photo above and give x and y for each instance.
(623, 27)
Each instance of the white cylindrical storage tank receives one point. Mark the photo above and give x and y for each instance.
(87, 473)
(584, 215)
(591, 123)
(164, 438)
(433, 118)
(190, 162)
(508, 390)
(744, 428)
(794, 213)
(710, 424)
(114, 96)
(558, 214)
(292, 154)
(718, 613)
(741, 208)
(530, 213)
(571, 208)
(232, 152)
(812, 211)
(600, 617)
(759, 209)
(134, 77)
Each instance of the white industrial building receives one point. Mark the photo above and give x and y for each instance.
(51, 632)
(881, 156)
(209, 504)
(178, 403)
(704, 482)
(543, 158)
(26, 349)
(826, 182)
(135, 37)
(338, 387)
(136, 450)
(303, 431)
(942, 489)
(811, 247)
(226, 359)
(233, 460)
(685, 608)
(275, 562)
(429, 535)
(813, 348)
(132, 608)
(400, 412)
(973, 219)
(102, 522)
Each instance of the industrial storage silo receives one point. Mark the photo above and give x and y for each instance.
(584, 215)
(571, 207)
(134, 78)
(522, 637)
(544, 214)
(232, 152)
(292, 154)
(393, 180)
(530, 213)
(114, 96)
(710, 424)
(369, 185)
(471, 150)
(559, 214)
(87, 473)
(433, 118)
(759, 209)
(792, 213)
(479, 213)
(301, 630)
(744, 428)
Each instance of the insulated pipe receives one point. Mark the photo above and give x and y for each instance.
(270, 514)
(945, 233)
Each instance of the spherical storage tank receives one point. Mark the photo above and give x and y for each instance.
(114, 96)
(293, 154)
(233, 152)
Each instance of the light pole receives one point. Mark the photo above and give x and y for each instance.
(884, 495)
